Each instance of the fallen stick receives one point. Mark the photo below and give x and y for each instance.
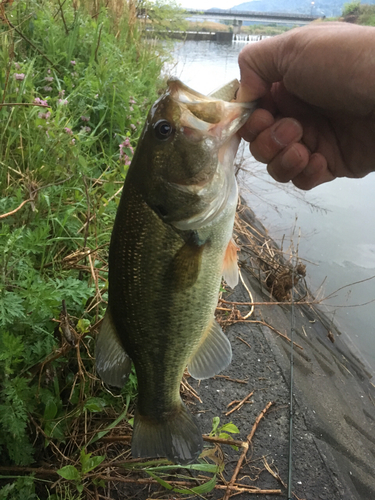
(209, 439)
(244, 341)
(240, 404)
(245, 448)
(249, 491)
(3, 216)
(231, 379)
(270, 327)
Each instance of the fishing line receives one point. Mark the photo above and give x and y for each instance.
(292, 328)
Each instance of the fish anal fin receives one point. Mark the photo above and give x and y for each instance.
(230, 266)
(112, 363)
(213, 354)
(175, 436)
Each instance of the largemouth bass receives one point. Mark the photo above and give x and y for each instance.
(170, 246)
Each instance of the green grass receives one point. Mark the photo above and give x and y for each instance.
(97, 77)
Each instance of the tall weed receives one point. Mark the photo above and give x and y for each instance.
(80, 79)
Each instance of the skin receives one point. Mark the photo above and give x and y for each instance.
(316, 115)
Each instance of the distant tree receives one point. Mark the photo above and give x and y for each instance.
(352, 8)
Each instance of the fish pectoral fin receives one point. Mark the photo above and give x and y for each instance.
(186, 264)
(112, 363)
(213, 354)
(175, 436)
(230, 268)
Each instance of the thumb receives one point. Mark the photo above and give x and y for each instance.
(259, 67)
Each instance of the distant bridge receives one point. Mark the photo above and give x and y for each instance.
(261, 17)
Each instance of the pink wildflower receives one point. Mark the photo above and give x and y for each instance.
(19, 76)
(132, 101)
(85, 118)
(73, 63)
(133, 127)
(61, 93)
(47, 89)
(86, 129)
(48, 78)
(45, 116)
(68, 130)
(40, 101)
(131, 108)
(64, 102)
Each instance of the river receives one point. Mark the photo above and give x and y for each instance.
(336, 221)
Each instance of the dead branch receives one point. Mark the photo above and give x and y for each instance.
(231, 379)
(244, 341)
(3, 216)
(240, 404)
(245, 448)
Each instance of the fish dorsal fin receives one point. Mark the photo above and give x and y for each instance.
(230, 268)
(112, 363)
(213, 354)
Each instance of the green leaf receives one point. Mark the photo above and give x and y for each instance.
(50, 410)
(95, 405)
(83, 325)
(201, 467)
(100, 434)
(230, 428)
(91, 463)
(69, 472)
(202, 489)
(215, 425)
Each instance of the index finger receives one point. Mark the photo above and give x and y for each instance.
(259, 67)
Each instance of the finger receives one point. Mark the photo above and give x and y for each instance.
(259, 121)
(289, 163)
(316, 172)
(259, 68)
(274, 139)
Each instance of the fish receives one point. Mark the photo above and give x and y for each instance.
(170, 246)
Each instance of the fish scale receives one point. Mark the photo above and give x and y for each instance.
(168, 252)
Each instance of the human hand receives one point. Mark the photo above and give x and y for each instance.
(316, 86)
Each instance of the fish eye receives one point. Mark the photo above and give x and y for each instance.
(163, 130)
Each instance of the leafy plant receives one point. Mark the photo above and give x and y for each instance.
(76, 83)
(222, 431)
(88, 463)
(351, 8)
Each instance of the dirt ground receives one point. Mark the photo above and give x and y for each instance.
(334, 400)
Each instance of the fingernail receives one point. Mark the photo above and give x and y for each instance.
(291, 158)
(287, 131)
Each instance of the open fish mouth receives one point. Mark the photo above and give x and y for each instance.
(207, 116)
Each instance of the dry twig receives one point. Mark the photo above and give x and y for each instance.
(240, 404)
(244, 451)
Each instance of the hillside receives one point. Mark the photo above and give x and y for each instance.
(327, 8)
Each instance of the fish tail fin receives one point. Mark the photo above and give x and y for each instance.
(176, 436)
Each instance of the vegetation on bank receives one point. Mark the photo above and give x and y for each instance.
(76, 81)
(255, 29)
(358, 13)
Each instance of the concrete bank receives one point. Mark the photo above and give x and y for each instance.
(334, 399)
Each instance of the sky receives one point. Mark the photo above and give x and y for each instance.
(207, 4)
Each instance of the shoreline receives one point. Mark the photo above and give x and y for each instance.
(334, 428)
